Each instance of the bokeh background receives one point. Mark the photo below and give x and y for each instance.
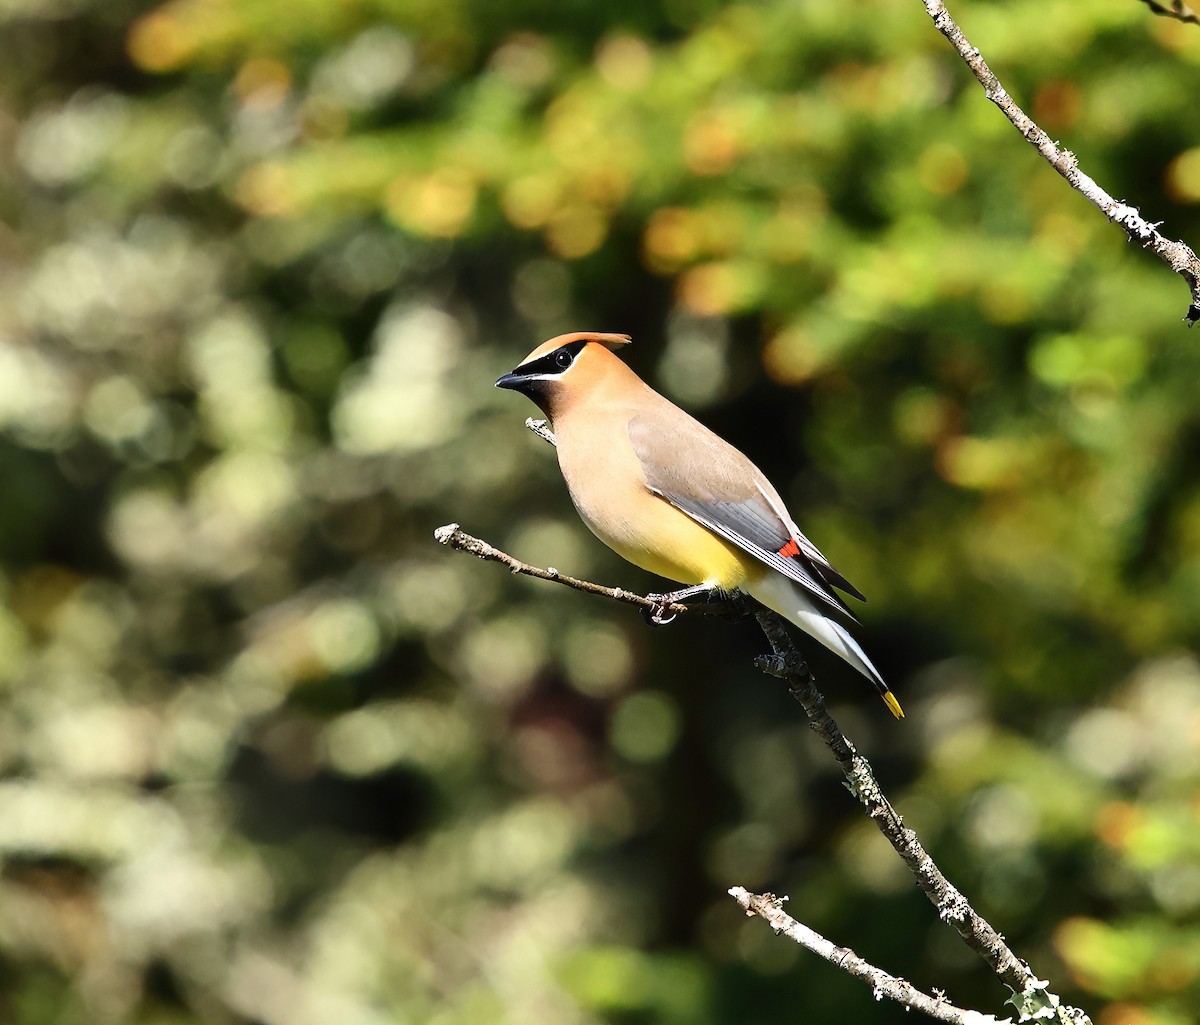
(270, 755)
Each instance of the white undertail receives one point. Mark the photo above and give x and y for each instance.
(784, 596)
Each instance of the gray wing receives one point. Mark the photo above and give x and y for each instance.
(704, 476)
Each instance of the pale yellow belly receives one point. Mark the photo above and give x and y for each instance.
(654, 535)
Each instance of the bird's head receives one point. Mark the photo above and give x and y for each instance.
(564, 366)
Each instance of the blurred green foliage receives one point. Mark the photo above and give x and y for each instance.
(269, 755)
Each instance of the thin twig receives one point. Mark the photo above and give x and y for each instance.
(770, 908)
(1176, 9)
(541, 429)
(454, 536)
(1176, 255)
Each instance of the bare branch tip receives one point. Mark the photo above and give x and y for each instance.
(542, 429)
(743, 897)
(445, 534)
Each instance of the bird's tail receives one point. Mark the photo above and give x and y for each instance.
(782, 595)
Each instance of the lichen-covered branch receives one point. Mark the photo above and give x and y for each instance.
(1030, 994)
(1176, 255)
(770, 908)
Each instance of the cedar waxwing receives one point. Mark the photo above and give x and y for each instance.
(665, 493)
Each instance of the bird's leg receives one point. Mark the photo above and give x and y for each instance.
(659, 617)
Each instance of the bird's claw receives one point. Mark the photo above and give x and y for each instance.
(658, 615)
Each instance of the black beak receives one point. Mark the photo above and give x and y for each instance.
(511, 381)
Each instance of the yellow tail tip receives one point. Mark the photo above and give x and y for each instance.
(889, 699)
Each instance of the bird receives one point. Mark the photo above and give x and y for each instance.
(672, 497)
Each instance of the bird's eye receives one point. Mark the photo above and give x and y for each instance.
(563, 359)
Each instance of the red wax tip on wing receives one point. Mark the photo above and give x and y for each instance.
(789, 550)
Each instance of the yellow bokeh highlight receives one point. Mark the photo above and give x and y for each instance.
(263, 83)
(1117, 821)
(922, 416)
(790, 356)
(575, 231)
(1183, 177)
(529, 200)
(1176, 36)
(266, 190)
(159, 42)
(981, 463)
(573, 130)
(624, 62)
(717, 288)
(438, 205)
(672, 239)
(711, 143)
(603, 184)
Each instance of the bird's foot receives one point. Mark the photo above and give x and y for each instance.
(660, 616)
